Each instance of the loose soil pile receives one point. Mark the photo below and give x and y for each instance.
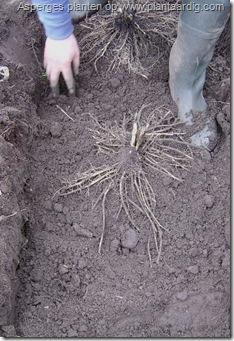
(54, 283)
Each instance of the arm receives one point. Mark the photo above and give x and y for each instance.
(57, 22)
(61, 53)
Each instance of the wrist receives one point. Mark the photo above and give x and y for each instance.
(59, 33)
(61, 40)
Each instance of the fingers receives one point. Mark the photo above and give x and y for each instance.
(53, 77)
(69, 79)
(67, 72)
(54, 82)
(76, 64)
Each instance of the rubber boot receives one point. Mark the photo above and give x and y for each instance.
(80, 9)
(198, 32)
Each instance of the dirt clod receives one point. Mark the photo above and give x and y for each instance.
(5, 186)
(114, 245)
(129, 239)
(209, 200)
(56, 129)
(115, 83)
(82, 231)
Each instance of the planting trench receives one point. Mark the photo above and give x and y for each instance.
(53, 281)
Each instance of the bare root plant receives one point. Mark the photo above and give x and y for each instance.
(124, 34)
(134, 149)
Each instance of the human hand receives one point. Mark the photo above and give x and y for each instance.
(62, 56)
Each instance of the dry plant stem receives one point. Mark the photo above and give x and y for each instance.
(147, 204)
(103, 218)
(150, 216)
(64, 112)
(89, 179)
(134, 134)
(149, 253)
(5, 217)
(156, 166)
(6, 130)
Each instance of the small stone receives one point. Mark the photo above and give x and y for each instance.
(58, 208)
(82, 231)
(77, 109)
(182, 296)
(194, 269)
(89, 96)
(6, 186)
(205, 155)
(209, 201)
(129, 239)
(63, 269)
(82, 264)
(115, 83)
(114, 245)
(56, 129)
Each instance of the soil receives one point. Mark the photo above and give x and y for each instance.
(54, 283)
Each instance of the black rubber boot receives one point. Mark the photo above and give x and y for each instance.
(198, 32)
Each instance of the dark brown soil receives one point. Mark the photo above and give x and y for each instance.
(65, 288)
